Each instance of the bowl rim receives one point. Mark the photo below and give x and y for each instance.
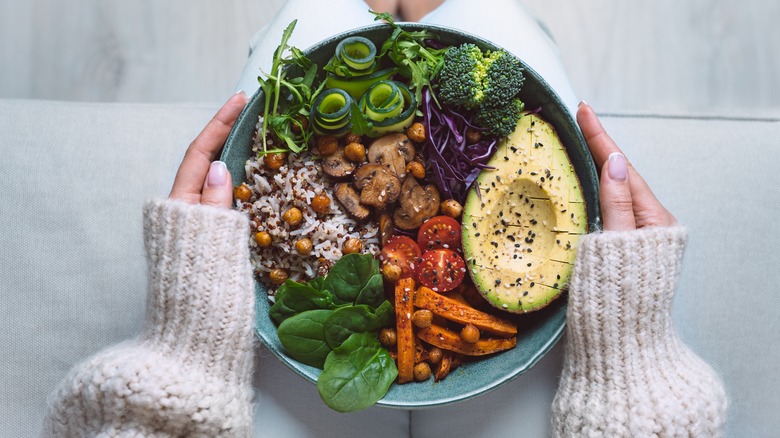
(248, 115)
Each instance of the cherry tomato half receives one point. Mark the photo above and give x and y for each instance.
(440, 269)
(439, 232)
(401, 251)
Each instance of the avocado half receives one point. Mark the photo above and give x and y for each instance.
(522, 220)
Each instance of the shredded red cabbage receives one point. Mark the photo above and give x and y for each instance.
(452, 164)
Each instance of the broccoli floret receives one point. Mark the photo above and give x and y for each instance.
(504, 78)
(487, 82)
(500, 120)
(461, 77)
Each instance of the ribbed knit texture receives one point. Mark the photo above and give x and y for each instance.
(189, 372)
(626, 372)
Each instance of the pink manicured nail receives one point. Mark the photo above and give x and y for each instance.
(582, 102)
(617, 167)
(217, 174)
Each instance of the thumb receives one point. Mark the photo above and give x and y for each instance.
(217, 190)
(617, 206)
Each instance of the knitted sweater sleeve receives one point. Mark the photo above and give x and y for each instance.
(626, 372)
(189, 372)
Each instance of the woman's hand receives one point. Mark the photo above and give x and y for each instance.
(627, 203)
(200, 180)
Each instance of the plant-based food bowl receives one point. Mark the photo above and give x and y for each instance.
(537, 331)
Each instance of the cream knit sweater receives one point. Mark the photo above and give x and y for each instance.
(626, 374)
(189, 373)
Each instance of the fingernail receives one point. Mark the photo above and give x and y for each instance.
(217, 176)
(617, 167)
(241, 92)
(582, 103)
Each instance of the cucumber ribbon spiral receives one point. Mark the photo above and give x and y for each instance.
(353, 77)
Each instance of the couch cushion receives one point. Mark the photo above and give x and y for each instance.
(72, 270)
(72, 267)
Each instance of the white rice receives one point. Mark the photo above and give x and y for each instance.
(294, 185)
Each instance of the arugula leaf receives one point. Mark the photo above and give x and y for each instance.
(360, 123)
(407, 49)
(287, 101)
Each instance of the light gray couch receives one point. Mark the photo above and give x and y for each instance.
(72, 269)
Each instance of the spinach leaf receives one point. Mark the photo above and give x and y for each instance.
(357, 374)
(303, 337)
(293, 297)
(350, 275)
(373, 293)
(317, 283)
(346, 321)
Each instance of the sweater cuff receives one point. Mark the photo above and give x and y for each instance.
(200, 302)
(623, 284)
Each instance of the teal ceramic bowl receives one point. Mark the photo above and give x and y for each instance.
(538, 331)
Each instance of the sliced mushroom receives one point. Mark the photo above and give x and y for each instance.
(337, 165)
(416, 204)
(393, 151)
(350, 199)
(385, 228)
(378, 186)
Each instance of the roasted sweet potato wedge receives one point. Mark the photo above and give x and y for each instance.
(449, 340)
(454, 310)
(404, 307)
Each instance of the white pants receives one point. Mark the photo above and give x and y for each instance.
(504, 22)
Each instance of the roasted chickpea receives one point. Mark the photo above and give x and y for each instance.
(303, 246)
(351, 246)
(473, 136)
(278, 276)
(351, 137)
(292, 216)
(416, 132)
(422, 371)
(355, 152)
(274, 161)
(327, 145)
(469, 334)
(391, 272)
(435, 354)
(388, 338)
(416, 169)
(422, 318)
(263, 239)
(451, 208)
(242, 192)
(320, 203)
